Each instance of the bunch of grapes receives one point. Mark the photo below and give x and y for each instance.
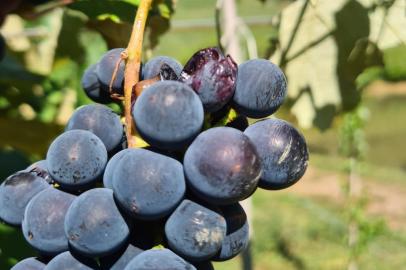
(94, 203)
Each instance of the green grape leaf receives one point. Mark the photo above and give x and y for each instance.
(36, 141)
(113, 19)
(40, 56)
(116, 35)
(103, 9)
(323, 47)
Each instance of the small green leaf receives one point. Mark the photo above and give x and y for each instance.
(395, 62)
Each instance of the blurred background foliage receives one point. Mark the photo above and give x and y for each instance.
(345, 62)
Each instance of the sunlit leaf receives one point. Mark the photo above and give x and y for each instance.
(323, 49)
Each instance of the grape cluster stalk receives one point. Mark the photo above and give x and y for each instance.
(97, 201)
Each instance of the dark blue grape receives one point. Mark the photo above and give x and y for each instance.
(66, 261)
(283, 152)
(222, 166)
(105, 70)
(213, 76)
(91, 85)
(148, 185)
(76, 158)
(168, 114)
(101, 121)
(195, 232)
(109, 172)
(237, 238)
(158, 259)
(40, 168)
(154, 66)
(120, 260)
(260, 90)
(16, 192)
(94, 225)
(29, 264)
(43, 221)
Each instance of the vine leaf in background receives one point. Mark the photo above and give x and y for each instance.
(327, 53)
(112, 17)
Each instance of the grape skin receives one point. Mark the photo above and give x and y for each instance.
(94, 225)
(66, 261)
(40, 168)
(168, 115)
(91, 85)
(158, 259)
(101, 121)
(153, 67)
(195, 232)
(111, 168)
(222, 166)
(212, 76)
(43, 221)
(237, 237)
(148, 185)
(260, 88)
(29, 264)
(105, 70)
(16, 192)
(76, 159)
(283, 152)
(120, 260)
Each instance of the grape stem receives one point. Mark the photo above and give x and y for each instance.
(133, 64)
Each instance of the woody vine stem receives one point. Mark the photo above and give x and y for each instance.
(133, 63)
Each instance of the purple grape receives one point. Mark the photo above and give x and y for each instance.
(76, 159)
(195, 232)
(120, 259)
(94, 224)
(16, 192)
(212, 76)
(91, 85)
(29, 264)
(109, 172)
(67, 261)
(260, 88)
(158, 259)
(283, 152)
(168, 115)
(237, 238)
(155, 66)
(43, 221)
(148, 185)
(222, 166)
(105, 70)
(101, 121)
(40, 168)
